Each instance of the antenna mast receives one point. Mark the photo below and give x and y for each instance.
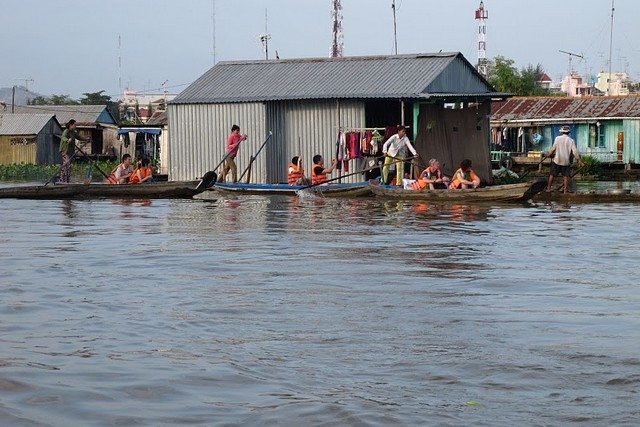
(213, 29)
(264, 38)
(395, 27)
(481, 16)
(613, 9)
(571, 55)
(337, 49)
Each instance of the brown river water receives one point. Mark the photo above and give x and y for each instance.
(262, 311)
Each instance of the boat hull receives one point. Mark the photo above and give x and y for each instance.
(330, 190)
(577, 198)
(498, 193)
(161, 190)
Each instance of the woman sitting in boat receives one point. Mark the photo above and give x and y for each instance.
(319, 172)
(464, 177)
(122, 173)
(142, 175)
(296, 172)
(431, 177)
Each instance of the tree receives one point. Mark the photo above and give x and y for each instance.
(505, 77)
(95, 98)
(53, 100)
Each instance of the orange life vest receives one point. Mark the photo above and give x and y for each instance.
(318, 178)
(295, 173)
(456, 182)
(144, 172)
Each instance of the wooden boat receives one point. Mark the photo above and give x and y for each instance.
(498, 193)
(589, 197)
(161, 190)
(359, 189)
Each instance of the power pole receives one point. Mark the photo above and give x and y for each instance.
(213, 29)
(613, 9)
(395, 27)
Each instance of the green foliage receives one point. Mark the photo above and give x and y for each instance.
(23, 172)
(505, 77)
(95, 98)
(53, 100)
(592, 166)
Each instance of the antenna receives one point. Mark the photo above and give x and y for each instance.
(481, 16)
(395, 27)
(213, 29)
(338, 44)
(571, 55)
(26, 81)
(613, 9)
(119, 65)
(264, 38)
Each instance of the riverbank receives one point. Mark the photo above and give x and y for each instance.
(37, 173)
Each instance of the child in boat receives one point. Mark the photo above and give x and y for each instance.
(122, 173)
(464, 177)
(431, 177)
(319, 172)
(144, 174)
(296, 172)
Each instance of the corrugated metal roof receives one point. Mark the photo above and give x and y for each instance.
(23, 124)
(83, 114)
(402, 76)
(549, 108)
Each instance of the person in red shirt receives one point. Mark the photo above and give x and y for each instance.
(233, 145)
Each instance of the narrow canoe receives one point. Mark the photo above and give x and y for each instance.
(359, 189)
(161, 190)
(497, 193)
(591, 197)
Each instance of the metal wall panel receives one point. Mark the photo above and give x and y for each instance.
(308, 128)
(631, 152)
(199, 133)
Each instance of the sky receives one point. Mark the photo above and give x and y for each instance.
(71, 46)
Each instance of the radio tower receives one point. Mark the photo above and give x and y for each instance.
(338, 41)
(481, 16)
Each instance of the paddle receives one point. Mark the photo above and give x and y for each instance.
(351, 174)
(253, 159)
(91, 162)
(536, 167)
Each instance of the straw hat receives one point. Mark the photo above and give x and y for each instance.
(565, 129)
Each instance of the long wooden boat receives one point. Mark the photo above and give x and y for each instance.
(161, 190)
(498, 193)
(588, 197)
(359, 189)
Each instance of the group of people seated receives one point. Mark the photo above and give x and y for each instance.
(318, 172)
(124, 173)
(433, 178)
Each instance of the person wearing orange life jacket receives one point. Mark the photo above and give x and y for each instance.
(431, 177)
(296, 172)
(142, 175)
(464, 177)
(319, 172)
(122, 173)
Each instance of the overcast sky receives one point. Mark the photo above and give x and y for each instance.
(71, 46)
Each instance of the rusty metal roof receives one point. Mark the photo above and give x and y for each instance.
(550, 108)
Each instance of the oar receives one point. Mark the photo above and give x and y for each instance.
(253, 159)
(91, 162)
(536, 167)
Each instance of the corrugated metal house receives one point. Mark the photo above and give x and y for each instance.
(92, 121)
(29, 139)
(598, 124)
(306, 102)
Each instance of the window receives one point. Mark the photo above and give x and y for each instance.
(593, 136)
(601, 143)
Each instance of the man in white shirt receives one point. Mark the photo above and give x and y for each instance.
(394, 151)
(562, 149)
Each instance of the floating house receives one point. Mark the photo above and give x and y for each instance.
(29, 139)
(92, 121)
(607, 128)
(306, 103)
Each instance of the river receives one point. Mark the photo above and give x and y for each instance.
(262, 311)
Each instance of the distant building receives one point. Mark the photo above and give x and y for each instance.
(93, 121)
(605, 127)
(149, 140)
(574, 85)
(545, 82)
(139, 107)
(29, 139)
(619, 84)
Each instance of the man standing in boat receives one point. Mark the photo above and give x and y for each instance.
(68, 148)
(233, 145)
(562, 150)
(394, 150)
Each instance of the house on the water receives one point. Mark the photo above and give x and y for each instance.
(307, 102)
(607, 128)
(29, 139)
(92, 121)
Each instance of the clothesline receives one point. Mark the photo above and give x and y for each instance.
(346, 129)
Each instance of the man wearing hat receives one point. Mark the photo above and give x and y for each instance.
(562, 149)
